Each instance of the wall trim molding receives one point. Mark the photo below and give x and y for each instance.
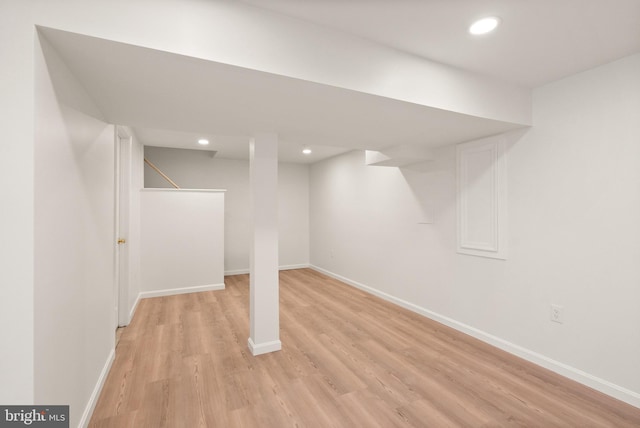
(133, 309)
(284, 267)
(185, 290)
(93, 399)
(472, 171)
(264, 348)
(602, 385)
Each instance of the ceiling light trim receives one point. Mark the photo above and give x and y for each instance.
(485, 25)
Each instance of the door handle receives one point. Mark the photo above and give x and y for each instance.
(122, 241)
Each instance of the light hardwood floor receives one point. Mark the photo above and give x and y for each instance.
(349, 359)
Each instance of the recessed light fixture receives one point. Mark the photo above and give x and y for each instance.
(306, 151)
(203, 142)
(484, 25)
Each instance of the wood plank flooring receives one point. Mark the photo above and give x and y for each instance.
(349, 359)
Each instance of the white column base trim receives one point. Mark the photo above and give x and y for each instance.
(264, 348)
(185, 290)
(602, 385)
(93, 399)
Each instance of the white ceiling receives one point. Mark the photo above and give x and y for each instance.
(538, 41)
(172, 100)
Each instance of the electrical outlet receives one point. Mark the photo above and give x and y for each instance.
(557, 313)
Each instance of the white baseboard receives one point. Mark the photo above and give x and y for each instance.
(602, 385)
(284, 267)
(292, 267)
(185, 290)
(133, 308)
(236, 272)
(263, 348)
(93, 399)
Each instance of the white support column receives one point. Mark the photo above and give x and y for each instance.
(264, 305)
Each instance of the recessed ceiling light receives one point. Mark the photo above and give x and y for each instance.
(203, 142)
(306, 151)
(484, 25)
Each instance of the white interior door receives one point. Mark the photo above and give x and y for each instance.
(123, 205)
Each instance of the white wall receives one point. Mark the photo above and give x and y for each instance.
(293, 215)
(372, 224)
(197, 169)
(16, 208)
(74, 323)
(182, 235)
(573, 203)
